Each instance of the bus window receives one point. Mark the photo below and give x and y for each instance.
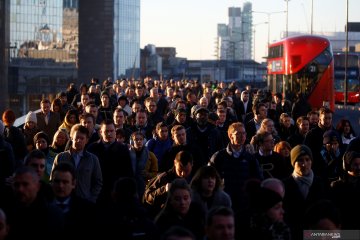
(353, 85)
(276, 51)
(339, 85)
(324, 58)
(340, 61)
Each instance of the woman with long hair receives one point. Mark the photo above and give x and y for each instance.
(181, 211)
(346, 131)
(144, 162)
(71, 118)
(206, 186)
(60, 140)
(56, 106)
(268, 125)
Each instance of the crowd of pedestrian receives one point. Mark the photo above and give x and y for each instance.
(155, 159)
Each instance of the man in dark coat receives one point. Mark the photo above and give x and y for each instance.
(114, 159)
(156, 192)
(30, 215)
(47, 120)
(235, 165)
(204, 135)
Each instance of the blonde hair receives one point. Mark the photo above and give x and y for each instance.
(263, 126)
(235, 126)
(61, 130)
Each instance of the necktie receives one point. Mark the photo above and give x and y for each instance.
(46, 119)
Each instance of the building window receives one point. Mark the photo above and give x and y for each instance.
(44, 81)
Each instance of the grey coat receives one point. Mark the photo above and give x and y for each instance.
(88, 174)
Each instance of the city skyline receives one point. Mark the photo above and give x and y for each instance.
(191, 26)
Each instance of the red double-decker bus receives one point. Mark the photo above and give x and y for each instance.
(353, 78)
(303, 64)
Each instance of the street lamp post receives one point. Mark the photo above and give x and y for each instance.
(254, 33)
(287, 18)
(254, 56)
(312, 17)
(243, 47)
(268, 14)
(346, 54)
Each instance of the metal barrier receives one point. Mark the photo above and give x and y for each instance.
(21, 120)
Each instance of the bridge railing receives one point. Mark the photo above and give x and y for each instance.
(20, 121)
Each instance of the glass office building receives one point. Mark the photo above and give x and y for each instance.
(126, 37)
(109, 44)
(35, 24)
(43, 41)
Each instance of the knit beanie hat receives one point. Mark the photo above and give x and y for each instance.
(298, 151)
(331, 136)
(105, 93)
(31, 117)
(42, 135)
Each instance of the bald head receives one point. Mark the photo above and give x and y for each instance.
(275, 185)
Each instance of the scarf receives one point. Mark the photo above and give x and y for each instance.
(304, 182)
(138, 161)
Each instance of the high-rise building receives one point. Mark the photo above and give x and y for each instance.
(247, 24)
(41, 41)
(44, 29)
(109, 39)
(235, 38)
(126, 38)
(41, 50)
